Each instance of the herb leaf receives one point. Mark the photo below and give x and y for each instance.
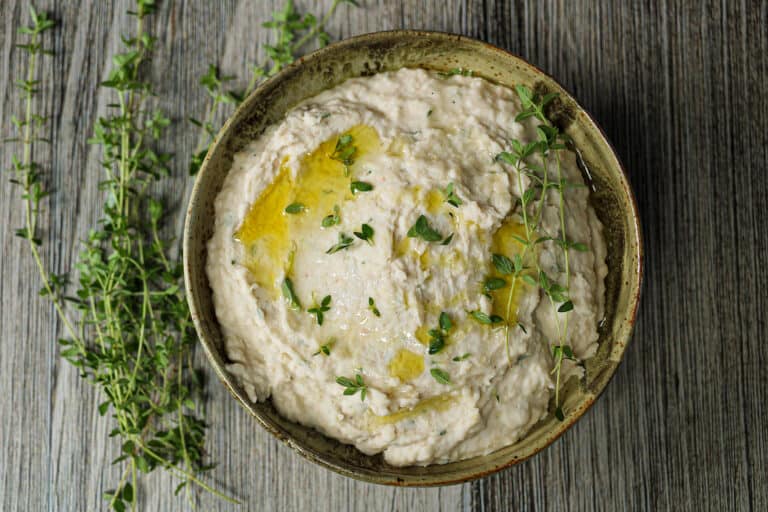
(422, 229)
(503, 264)
(461, 357)
(360, 186)
(494, 283)
(436, 344)
(438, 335)
(365, 234)
(332, 219)
(485, 318)
(344, 242)
(325, 349)
(344, 152)
(451, 197)
(440, 376)
(294, 208)
(445, 321)
(372, 307)
(289, 294)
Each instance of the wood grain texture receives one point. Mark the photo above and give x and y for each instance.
(680, 89)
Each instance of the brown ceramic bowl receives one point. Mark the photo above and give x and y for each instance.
(385, 51)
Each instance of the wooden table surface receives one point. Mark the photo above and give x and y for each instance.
(680, 89)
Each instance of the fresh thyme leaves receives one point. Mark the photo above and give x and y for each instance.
(552, 289)
(332, 219)
(134, 336)
(353, 386)
(360, 186)
(294, 208)
(447, 240)
(546, 147)
(422, 229)
(461, 357)
(436, 342)
(290, 295)
(503, 264)
(372, 307)
(493, 283)
(451, 197)
(365, 234)
(485, 318)
(533, 105)
(325, 349)
(438, 335)
(429, 112)
(344, 152)
(440, 376)
(320, 309)
(445, 321)
(344, 242)
(292, 33)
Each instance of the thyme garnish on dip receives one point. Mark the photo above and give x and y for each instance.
(320, 309)
(440, 376)
(548, 144)
(372, 307)
(438, 335)
(422, 229)
(353, 386)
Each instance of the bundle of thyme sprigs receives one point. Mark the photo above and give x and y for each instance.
(532, 160)
(132, 336)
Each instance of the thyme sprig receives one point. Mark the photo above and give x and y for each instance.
(133, 337)
(548, 144)
(345, 241)
(326, 347)
(438, 335)
(352, 386)
(365, 234)
(292, 32)
(320, 309)
(451, 197)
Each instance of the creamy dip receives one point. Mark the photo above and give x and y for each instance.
(377, 338)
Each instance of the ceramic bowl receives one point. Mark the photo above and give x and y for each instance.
(388, 51)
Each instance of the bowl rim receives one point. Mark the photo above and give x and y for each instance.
(422, 480)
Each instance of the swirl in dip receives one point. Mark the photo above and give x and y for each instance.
(375, 271)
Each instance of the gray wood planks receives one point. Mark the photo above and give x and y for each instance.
(679, 88)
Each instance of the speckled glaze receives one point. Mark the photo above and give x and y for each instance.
(387, 51)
